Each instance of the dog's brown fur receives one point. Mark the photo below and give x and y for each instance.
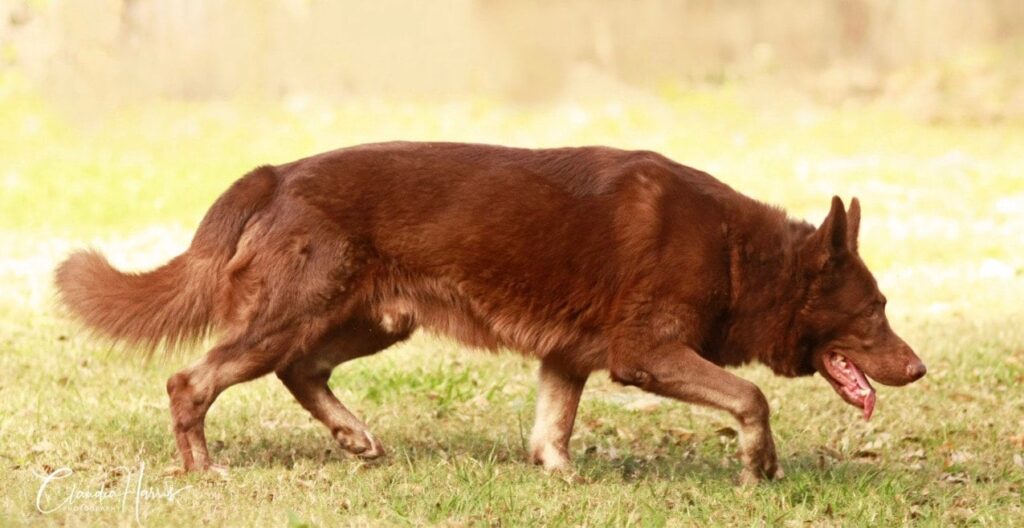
(585, 258)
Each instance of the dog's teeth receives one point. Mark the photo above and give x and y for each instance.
(864, 392)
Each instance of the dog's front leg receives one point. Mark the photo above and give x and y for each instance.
(558, 397)
(680, 372)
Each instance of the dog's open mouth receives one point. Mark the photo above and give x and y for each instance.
(850, 383)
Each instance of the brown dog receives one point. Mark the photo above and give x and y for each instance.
(586, 258)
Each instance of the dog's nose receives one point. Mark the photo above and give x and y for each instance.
(916, 370)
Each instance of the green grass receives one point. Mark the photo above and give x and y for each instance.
(943, 229)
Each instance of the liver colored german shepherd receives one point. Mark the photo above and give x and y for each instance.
(585, 258)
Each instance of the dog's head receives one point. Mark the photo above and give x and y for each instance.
(843, 322)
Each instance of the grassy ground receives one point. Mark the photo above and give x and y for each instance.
(944, 217)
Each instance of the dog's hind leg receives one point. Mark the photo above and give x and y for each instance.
(193, 390)
(306, 378)
(558, 397)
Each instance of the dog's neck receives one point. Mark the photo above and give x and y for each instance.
(768, 289)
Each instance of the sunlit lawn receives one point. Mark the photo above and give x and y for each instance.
(943, 229)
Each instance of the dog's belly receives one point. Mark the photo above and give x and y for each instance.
(440, 306)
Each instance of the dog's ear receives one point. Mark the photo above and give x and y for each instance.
(853, 223)
(829, 242)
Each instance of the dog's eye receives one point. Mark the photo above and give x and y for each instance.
(875, 309)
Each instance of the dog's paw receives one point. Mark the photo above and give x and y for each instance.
(360, 443)
(760, 464)
(763, 467)
(375, 450)
(552, 459)
(218, 470)
(753, 477)
(757, 452)
(213, 470)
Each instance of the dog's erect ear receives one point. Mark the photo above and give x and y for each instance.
(853, 223)
(834, 228)
(829, 242)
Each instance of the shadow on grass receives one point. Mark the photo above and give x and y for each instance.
(265, 450)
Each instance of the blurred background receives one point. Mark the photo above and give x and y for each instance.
(937, 59)
(122, 120)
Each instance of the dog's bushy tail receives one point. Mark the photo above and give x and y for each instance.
(176, 303)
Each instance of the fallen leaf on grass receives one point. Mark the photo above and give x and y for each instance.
(826, 456)
(955, 478)
(683, 435)
(42, 447)
(880, 441)
(644, 405)
(480, 401)
(172, 471)
(917, 454)
(958, 457)
(962, 397)
(572, 478)
(727, 432)
(829, 452)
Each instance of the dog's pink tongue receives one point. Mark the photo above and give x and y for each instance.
(868, 401)
(869, 405)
